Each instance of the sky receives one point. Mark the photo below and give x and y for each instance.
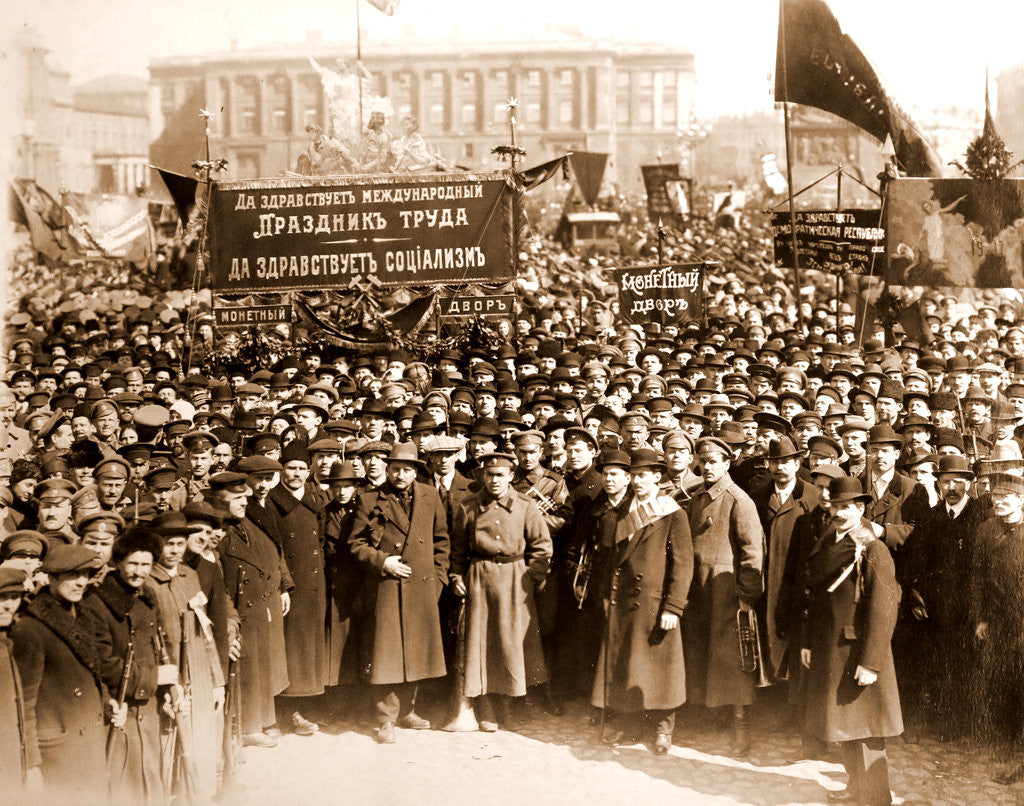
(929, 53)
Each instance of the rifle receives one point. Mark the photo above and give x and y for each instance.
(122, 692)
(181, 730)
(232, 737)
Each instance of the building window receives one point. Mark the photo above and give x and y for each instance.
(668, 112)
(437, 114)
(533, 78)
(533, 113)
(565, 112)
(248, 166)
(566, 77)
(467, 150)
(279, 121)
(468, 114)
(404, 111)
(646, 79)
(311, 117)
(500, 112)
(646, 113)
(249, 121)
(622, 111)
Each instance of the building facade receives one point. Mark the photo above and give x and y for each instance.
(629, 101)
(1010, 110)
(88, 139)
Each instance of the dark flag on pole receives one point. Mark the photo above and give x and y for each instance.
(818, 65)
(539, 174)
(182, 190)
(589, 169)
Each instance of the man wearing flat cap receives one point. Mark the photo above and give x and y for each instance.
(728, 547)
(851, 680)
(400, 538)
(62, 679)
(501, 556)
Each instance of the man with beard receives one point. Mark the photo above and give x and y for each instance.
(851, 680)
(300, 512)
(119, 612)
(728, 548)
(502, 554)
(936, 580)
(400, 538)
(257, 581)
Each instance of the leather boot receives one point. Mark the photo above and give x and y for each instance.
(740, 731)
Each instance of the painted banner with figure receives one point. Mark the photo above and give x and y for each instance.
(314, 233)
(955, 233)
(664, 294)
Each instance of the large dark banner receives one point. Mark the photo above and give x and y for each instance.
(830, 240)
(664, 294)
(659, 202)
(956, 233)
(320, 232)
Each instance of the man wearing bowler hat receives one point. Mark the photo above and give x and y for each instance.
(400, 539)
(851, 680)
(936, 580)
(781, 499)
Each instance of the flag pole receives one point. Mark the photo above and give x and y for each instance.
(839, 274)
(789, 166)
(359, 64)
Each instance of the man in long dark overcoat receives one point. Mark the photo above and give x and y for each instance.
(400, 538)
(852, 697)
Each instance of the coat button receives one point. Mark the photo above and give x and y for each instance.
(634, 606)
(638, 577)
(78, 692)
(248, 604)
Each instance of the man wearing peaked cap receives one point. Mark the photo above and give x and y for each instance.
(400, 540)
(501, 551)
(851, 680)
(533, 480)
(99, 530)
(55, 507)
(726, 533)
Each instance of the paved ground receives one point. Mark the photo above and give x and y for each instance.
(558, 760)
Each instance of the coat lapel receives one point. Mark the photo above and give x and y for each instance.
(393, 511)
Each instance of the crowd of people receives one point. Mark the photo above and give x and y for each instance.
(722, 513)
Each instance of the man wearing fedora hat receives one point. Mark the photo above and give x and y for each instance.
(936, 579)
(640, 666)
(851, 691)
(781, 499)
(400, 539)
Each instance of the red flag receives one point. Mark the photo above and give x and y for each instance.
(182, 190)
(589, 169)
(818, 65)
(44, 239)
